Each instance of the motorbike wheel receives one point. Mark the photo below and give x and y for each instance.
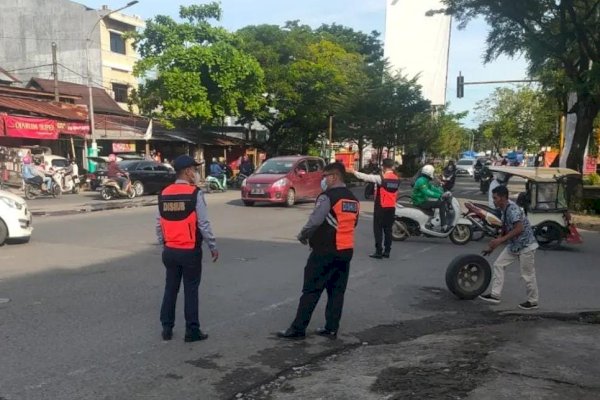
(400, 231)
(75, 189)
(139, 188)
(461, 234)
(106, 193)
(476, 233)
(29, 192)
(468, 276)
(56, 191)
(213, 186)
(548, 235)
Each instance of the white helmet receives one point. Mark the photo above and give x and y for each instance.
(428, 170)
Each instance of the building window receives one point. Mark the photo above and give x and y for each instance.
(120, 92)
(117, 43)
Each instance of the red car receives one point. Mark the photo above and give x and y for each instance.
(284, 180)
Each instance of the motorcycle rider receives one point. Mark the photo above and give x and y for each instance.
(215, 169)
(428, 196)
(115, 172)
(30, 173)
(500, 179)
(246, 167)
(450, 173)
(386, 191)
(39, 171)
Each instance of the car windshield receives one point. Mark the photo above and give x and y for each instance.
(465, 162)
(275, 167)
(59, 163)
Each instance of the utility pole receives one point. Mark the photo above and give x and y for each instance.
(331, 156)
(55, 72)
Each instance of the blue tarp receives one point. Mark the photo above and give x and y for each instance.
(469, 154)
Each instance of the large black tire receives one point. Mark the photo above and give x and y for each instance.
(549, 235)
(3, 233)
(468, 276)
(461, 234)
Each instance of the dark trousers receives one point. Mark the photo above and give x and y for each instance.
(323, 272)
(186, 264)
(383, 220)
(432, 204)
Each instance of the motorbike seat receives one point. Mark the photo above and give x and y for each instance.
(428, 211)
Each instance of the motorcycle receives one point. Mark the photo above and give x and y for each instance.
(35, 189)
(485, 180)
(236, 181)
(486, 220)
(111, 189)
(447, 180)
(218, 184)
(414, 221)
(70, 179)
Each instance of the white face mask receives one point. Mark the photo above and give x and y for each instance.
(324, 184)
(197, 178)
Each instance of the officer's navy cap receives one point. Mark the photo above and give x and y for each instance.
(183, 162)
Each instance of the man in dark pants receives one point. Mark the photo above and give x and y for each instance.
(182, 226)
(386, 192)
(330, 234)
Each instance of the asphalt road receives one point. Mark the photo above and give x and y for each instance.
(82, 320)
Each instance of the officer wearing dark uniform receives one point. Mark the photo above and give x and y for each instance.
(386, 192)
(330, 234)
(182, 226)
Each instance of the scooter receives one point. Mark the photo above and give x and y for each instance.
(34, 189)
(236, 181)
(70, 179)
(448, 179)
(218, 184)
(485, 180)
(111, 189)
(414, 221)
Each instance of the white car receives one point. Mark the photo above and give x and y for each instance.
(15, 218)
(466, 166)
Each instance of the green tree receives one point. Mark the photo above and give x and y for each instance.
(524, 118)
(560, 38)
(452, 136)
(195, 73)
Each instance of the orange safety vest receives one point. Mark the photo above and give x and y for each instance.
(178, 219)
(387, 192)
(336, 234)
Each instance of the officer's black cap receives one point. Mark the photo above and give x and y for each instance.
(183, 162)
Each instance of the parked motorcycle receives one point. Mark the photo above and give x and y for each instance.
(414, 221)
(33, 188)
(111, 189)
(216, 184)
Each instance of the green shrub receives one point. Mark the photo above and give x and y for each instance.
(592, 179)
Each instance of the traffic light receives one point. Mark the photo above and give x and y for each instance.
(460, 86)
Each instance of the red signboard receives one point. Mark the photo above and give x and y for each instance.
(119, 147)
(73, 128)
(591, 164)
(2, 125)
(32, 128)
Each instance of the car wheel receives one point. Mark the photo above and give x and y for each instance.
(290, 198)
(3, 233)
(248, 203)
(468, 276)
(139, 188)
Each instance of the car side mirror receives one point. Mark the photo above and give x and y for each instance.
(300, 172)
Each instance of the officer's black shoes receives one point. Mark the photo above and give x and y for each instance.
(377, 256)
(385, 255)
(291, 334)
(195, 336)
(167, 333)
(326, 333)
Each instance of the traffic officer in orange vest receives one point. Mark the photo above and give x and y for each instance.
(181, 228)
(386, 191)
(330, 234)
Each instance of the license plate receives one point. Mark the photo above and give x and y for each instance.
(257, 191)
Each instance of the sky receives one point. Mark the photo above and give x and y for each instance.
(466, 47)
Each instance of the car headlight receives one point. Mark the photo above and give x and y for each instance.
(11, 203)
(280, 183)
(245, 182)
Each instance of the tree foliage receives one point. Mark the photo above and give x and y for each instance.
(561, 41)
(195, 72)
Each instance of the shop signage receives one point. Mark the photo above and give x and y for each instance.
(591, 163)
(119, 147)
(32, 128)
(73, 128)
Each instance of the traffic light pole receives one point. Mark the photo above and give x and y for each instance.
(460, 83)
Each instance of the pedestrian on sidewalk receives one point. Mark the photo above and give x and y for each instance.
(182, 226)
(330, 234)
(386, 192)
(521, 245)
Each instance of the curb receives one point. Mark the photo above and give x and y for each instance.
(88, 208)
